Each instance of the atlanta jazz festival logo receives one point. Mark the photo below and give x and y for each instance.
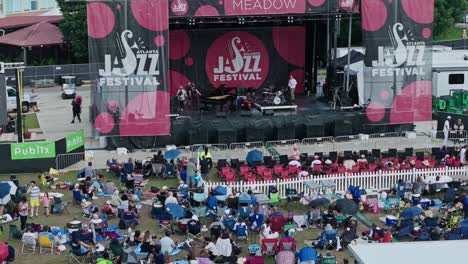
(179, 7)
(241, 65)
(404, 58)
(129, 65)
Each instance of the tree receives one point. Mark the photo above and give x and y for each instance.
(74, 28)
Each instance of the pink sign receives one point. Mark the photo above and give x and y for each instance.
(179, 7)
(237, 58)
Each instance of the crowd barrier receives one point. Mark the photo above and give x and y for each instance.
(383, 141)
(380, 180)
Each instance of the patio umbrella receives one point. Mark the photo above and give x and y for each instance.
(5, 196)
(172, 154)
(253, 156)
(319, 202)
(346, 206)
(3, 251)
(13, 187)
(411, 212)
(175, 210)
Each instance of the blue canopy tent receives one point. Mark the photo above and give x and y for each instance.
(254, 156)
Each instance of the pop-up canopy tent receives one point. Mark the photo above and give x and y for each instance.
(448, 251)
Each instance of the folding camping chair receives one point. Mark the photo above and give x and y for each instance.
(76, 255)
(201, 209)
(277, 223)
(269, 246)
(46, 244)
(330, 240)
(29, 243)
(287, 244)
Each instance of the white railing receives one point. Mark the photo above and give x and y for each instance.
(380, 180)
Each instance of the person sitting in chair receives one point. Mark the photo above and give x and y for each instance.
(80, 248)
(240, 229)
(194, 226)
(327, 235)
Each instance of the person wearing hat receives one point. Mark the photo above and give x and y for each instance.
(459, 127)
(446, 129)
(362, 162)
(194, 226)
(107, 208)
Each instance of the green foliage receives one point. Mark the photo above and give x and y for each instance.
(74, 28)
(446, 14)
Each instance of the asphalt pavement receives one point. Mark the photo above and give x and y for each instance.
(56, 114)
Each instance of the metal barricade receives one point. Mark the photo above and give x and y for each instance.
(70, 161)
(454, 138)
(240, 150)
(218, 151)
(318, 144)
(280, 147)
(186, 152)
(352, 143)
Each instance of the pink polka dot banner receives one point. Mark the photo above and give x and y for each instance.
(129, 58)
(397, 36)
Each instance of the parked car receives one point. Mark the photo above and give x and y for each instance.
(11, 100)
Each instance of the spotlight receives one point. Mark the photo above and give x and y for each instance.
(241, 20)
(290, 19)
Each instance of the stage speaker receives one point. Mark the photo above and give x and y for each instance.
(314, 130)
(283, 160)
(363, 152)
(392, 153)
(303, 157)
(246, 113)
(285, 132)
(254, 134)
(376, 153)
(342, 128)
(348, 154)
(452, 151)
(226, 136)
(221, 163)
(435, 151)
(221, 114)
(267, 160)
(197, 136)
(409, 152)
(420, 156)
(268, 112)
(235, 164)
(333, 155)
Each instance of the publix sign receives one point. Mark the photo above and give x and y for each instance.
(32, 150)
(75, 140)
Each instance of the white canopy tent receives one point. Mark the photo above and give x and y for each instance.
(448, 251)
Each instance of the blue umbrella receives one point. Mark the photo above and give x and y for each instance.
(172, 154)
(253, 156)
(411, 212)
(5, 193)
(175, 210)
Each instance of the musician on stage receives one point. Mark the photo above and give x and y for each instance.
(182, 98)
(292, 87)
(193, 94)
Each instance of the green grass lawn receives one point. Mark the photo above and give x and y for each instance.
(452, 34)
(31, 121)
(146, 223)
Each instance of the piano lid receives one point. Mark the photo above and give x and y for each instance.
(222, 90)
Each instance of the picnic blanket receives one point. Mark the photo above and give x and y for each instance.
(102, 194)
(137, 251)
(110, 233)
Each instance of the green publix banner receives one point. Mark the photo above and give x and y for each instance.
(74, 140)
(33, 150)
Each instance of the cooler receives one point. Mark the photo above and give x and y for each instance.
(390, 220)
(425, 202)
(437, 203)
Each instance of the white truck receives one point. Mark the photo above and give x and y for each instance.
(11, 100)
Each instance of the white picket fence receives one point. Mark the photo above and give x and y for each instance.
(381, 180)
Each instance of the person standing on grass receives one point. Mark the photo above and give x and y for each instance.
(23, 210)
(191, 172)
(34, 192)
(45, 203)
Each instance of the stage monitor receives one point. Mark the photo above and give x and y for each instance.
(128, 52)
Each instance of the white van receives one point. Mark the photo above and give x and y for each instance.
(11, 100)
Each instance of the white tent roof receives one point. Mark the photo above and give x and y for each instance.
(449, 251)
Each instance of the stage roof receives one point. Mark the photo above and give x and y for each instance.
(448, 251)
(40, 34)
(24, 21)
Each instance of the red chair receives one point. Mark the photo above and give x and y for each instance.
(418, 165)
(225, 170)
(230, 177)
(244, 169)
(317, 168)
(261, 169)
(277, 223)
(372, 166)
(287, 244)
(267, 175)
(355, 169)
(341, 170)
(328, 172)
(277, 169)
(456, 163)
(292, 169)
(269, 246)
(362, 164)
(285, 175)
(250, 177)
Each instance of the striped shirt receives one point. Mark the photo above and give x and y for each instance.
(35, 191)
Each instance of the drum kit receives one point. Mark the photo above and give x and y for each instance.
(274, 98)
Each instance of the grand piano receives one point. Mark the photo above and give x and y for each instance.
(220, 96)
